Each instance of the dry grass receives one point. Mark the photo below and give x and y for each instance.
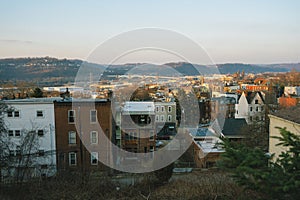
(196, 185)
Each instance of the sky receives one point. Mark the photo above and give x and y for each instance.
(256, 31)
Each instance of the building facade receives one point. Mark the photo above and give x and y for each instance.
(286, 118)
(250, 106)
(165, 119)
(30, 138)
(83, 134)
(138, 127)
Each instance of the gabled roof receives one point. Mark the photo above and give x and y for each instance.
(251, 95)
(232, 127)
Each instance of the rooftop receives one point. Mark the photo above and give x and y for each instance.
(32, 100)
(210, 145)
(139, 107)
(232, 127)
(290, 114)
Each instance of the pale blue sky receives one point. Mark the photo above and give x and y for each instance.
(256, 31)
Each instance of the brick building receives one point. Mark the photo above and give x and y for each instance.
(83, 134)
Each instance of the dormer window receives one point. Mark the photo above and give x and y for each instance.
(256, 101)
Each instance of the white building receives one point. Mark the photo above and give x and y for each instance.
(295, 90)
(251, 107)
(165, 118)
(31, 137)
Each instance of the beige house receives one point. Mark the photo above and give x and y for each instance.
(286, 118)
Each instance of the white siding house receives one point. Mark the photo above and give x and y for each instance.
(251, 107)
(31, 137)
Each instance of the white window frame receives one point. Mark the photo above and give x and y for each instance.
(91, 137)
(157, 108)
(70, 159)
(17, 111)
(162, 108)
(91, 111)
(19, 133)
(13, 114)
(40, 132)
(162, 118)
(10, 114)
(70, 138)
(157, 118)
(169, 109)
(94, 156)
(169, 118)
(11, 133)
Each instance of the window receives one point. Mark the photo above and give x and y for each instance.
(162, 109)
(17, 114)
(41, 152)
(250, 109)
(237, 112)
(93, 116)
(151, 136)
(262, 108)
(162, 118)
(10, 133)
(72, 137)
(9, 114)
(40, 132)
(94, 158)
(17, 133)
(71, 116)
(256, 101)
(13, 113)
(169, 108)
(157, 118)
(39, 113)
(72, 159)
(157, 108)
(257, 109)
(169, 118)
(131, 136)
(94, 137)
(251, 118)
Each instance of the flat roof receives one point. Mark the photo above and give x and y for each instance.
(210, 145)
(32, 100)
(139, 106)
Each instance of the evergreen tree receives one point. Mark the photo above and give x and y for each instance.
(252, 168)
(37, 93)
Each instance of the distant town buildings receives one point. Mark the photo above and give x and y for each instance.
(77, 129)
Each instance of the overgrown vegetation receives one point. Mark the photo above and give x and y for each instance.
(195, 185)
(252, 168)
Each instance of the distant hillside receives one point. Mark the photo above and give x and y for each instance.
(46, 68)
(43, 70)
(249, 68)
(37, 68)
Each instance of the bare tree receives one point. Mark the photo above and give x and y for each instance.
(21, 157)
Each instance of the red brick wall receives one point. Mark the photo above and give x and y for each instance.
(82, 124)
